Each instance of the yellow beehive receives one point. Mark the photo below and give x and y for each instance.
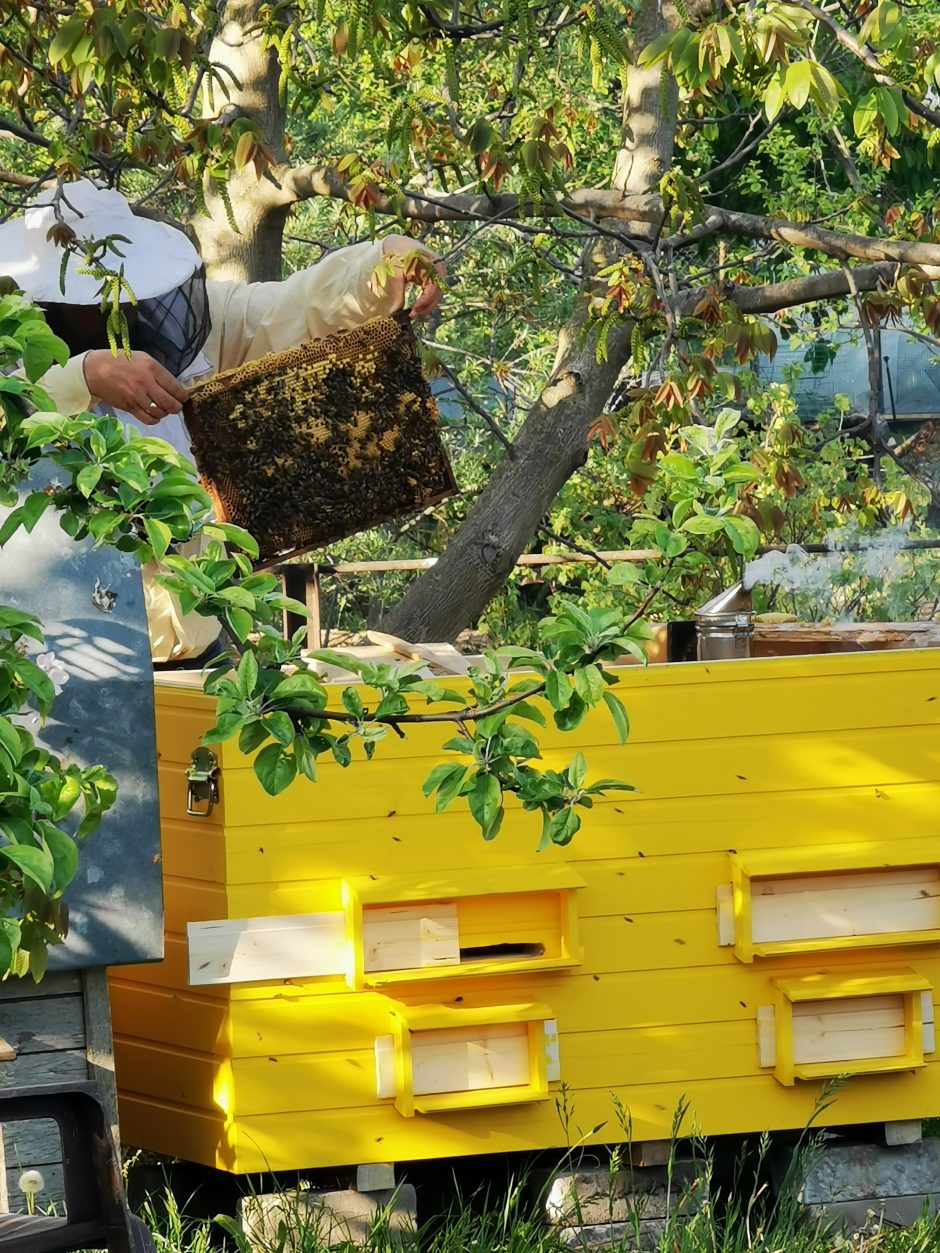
(350, 978)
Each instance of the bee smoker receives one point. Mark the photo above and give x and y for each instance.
(725, 625)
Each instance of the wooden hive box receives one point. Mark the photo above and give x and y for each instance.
(350, 978)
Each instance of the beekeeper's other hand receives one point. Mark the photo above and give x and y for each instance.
(410, 264)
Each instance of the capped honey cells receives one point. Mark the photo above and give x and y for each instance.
(306, 447)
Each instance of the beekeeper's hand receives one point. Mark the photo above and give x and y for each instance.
(410, 264)
(137, 384)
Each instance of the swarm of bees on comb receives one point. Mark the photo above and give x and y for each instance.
(306, 447)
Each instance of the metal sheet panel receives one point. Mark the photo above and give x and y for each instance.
(103, 714)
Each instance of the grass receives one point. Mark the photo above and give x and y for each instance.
(724, 1208)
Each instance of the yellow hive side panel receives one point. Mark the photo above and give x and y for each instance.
(171, 1046)
(876, 690)
(742, 766)
(182, 1019)
(178, 1131)
(798, 752)
(278, 859)
(360, 1135)
(175, 1074)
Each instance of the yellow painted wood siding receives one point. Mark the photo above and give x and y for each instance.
(730, 758)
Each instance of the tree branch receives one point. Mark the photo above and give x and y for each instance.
(305, 182)
(771, 297)
(588, 204)
(9, 127)
(841, 244)
(19, 180)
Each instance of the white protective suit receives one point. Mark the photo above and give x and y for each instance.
(248, 320)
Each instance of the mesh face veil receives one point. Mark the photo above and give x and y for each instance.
(174, 327)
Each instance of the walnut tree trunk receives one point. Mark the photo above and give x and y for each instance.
(552, 443)
(253, 252)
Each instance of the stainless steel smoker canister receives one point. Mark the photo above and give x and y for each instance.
(725, 626)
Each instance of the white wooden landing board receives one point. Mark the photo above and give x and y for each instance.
(837, 906)
(472, 1059)
(409, 937)
(846, 1030)
(245, 950)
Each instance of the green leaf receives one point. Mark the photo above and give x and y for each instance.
(479, 137)
(159, 536)
(274, 769)
(703, 524)
(65, 39)
(743, 534)
(35, 863)
(11, 524)
(34, 506)
(303, 685)
(227, 725)
(623, 574)
(234, 535)
(798, 82)
(589, 684)
(889, 108)
(484, 799)
(657, 49)
(352, 702)
(10, 740)
(558, 689)
(619, 715)
(447, 779)
(577, 770)
(306, 758)
(246, 677)
(391, 705)
(280, 726)
(572, 715)
(64, 853)
(332, 657)
(530, 712)
(865, 114)
(241, 623)
(678, 464)
(563, 826)
(237, 596)
(253, 735)
(87, 479)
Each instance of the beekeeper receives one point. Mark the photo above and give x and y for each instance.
(182, 327)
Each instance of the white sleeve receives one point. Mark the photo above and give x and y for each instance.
(251, 319)
(67, 387)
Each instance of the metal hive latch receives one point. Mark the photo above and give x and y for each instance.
(202, 782)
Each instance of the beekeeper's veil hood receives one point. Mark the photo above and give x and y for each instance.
(161, 267)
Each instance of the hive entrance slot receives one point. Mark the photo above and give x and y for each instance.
(483, 952)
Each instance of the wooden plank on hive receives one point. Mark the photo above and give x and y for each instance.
(442, 656)
(767, 1035)
(470, 1059)
(850, 1030)
(408, 937)
(724, 900)
(243, 950)
(823, 907)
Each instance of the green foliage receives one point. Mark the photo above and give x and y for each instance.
(138, 495)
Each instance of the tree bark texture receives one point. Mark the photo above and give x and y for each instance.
(552, 443)
(253, 254)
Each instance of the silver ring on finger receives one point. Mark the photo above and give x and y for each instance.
(152, 405)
